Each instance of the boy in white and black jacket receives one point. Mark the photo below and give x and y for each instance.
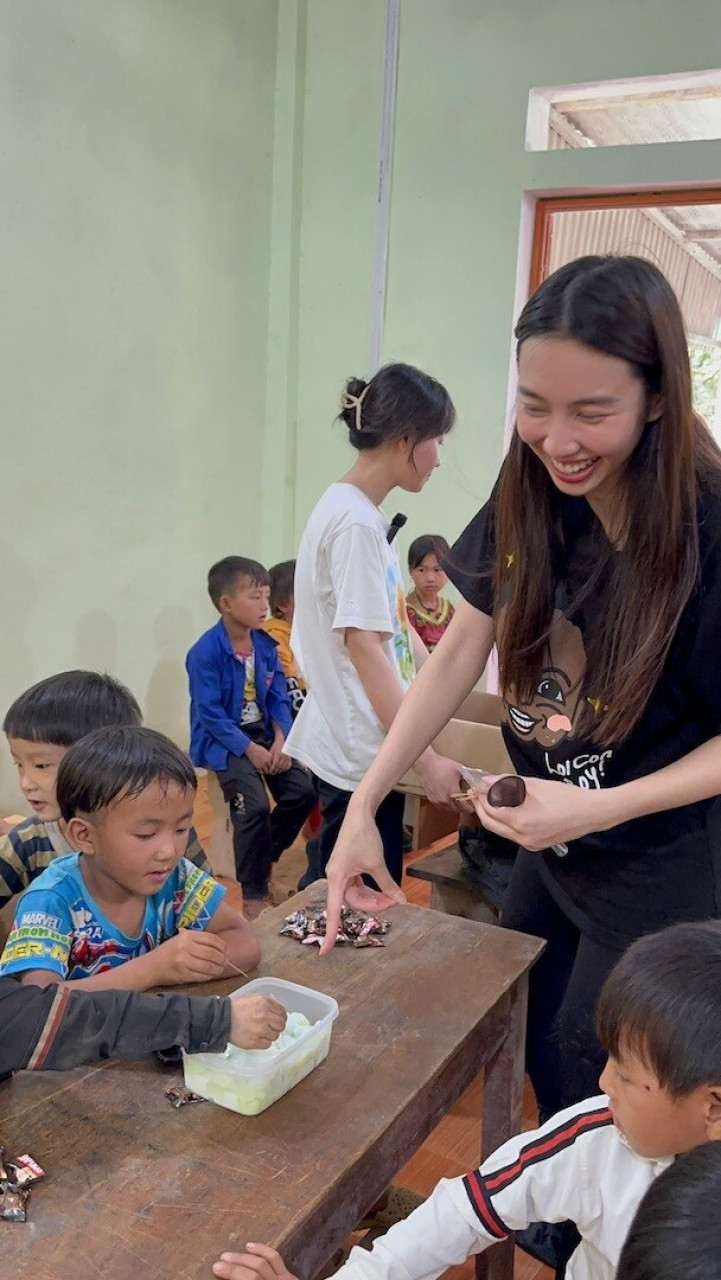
(657, 1018)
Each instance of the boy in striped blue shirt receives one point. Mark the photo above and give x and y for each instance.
(40, 726)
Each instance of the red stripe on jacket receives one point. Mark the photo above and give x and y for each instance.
(547, 1146)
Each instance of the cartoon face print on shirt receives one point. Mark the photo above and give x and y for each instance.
(551, 716)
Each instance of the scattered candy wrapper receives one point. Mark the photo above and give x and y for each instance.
(16, 1180)
(308, 926)
(13, 1205)
(179, 1096)
(23, 1172)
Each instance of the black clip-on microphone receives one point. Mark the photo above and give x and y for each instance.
(397, 523)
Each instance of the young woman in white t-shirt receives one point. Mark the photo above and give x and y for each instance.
(351, 635)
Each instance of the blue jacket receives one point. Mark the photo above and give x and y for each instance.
(217, 685)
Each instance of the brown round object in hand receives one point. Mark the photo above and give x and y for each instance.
(507, 792)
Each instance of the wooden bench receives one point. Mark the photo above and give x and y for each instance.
(428, 822)
(211, 819)
(452, 889)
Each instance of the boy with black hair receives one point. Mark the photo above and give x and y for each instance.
(658, 1019)
(676, 1234)
(40, 726)
(239, 718)
(128, 911)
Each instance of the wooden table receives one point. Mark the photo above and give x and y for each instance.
(139, 1191)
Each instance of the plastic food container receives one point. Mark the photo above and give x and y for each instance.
(262, 1077)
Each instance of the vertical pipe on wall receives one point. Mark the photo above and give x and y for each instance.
(277, 533)
(383, 205)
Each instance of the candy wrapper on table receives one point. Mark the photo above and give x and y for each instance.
(16, 1179)
(180, 1097)
(308, 926)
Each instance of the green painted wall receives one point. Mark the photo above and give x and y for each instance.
(136, 170)
(341, 139)
(460, 171)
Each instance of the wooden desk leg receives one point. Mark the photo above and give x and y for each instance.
(502, 1110)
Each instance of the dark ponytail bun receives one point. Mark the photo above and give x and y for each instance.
(398, 402)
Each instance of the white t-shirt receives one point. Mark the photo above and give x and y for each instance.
(346, 575)
(251, 713)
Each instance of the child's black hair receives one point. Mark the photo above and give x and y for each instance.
(282, 577)
(62, 709)
(224, 575)
(676, 1234)
(398, 401)
(662, 1002)
(428, 544)
(111, 763)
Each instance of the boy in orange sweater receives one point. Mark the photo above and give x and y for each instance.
(278, 625)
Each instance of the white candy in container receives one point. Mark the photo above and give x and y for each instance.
(249, 1080)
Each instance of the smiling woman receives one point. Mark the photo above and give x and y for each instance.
(583, 439)
(596, 569)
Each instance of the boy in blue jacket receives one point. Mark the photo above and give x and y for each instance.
(239, 717)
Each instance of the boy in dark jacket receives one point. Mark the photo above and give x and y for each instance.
(57, 1028)
(239, 717)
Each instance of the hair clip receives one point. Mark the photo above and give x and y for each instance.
(348, 401)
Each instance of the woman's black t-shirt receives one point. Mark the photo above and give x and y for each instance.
(652, 871)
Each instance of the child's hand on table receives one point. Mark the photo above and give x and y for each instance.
(191, 956)
(259, 1263)
(255, 1022)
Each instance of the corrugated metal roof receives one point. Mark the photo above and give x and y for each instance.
(668, 237)
(636, 119)
(575, 233)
